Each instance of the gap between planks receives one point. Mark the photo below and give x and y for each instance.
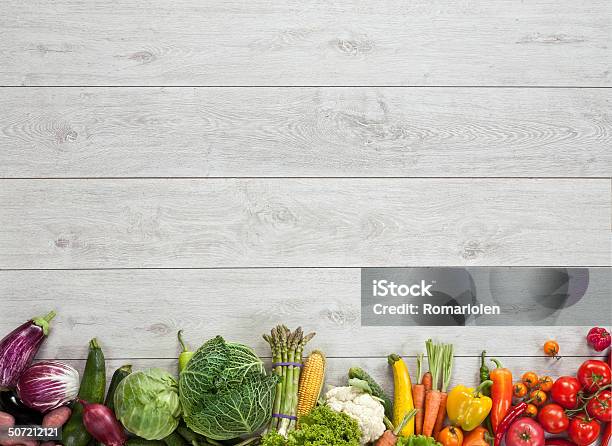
(197, 268)
(548, 87)
(309, 178)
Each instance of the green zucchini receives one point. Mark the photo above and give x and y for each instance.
(174, 439)
(118, 376)
(190, 436)
(377, 391)
(93, 386)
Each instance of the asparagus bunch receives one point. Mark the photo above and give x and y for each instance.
(287, 347)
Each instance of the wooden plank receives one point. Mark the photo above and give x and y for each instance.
(465, 370)
(266, 42)
(312, 132)
(148, 307)
(332, 222)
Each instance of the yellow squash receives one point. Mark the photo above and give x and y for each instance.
(403, 402)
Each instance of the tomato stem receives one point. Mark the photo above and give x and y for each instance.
(585, 400)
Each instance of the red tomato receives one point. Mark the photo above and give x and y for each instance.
(600, 406)
(594, 374)
(565, 392)
(553, 419)
(525, 432)
(583, 431)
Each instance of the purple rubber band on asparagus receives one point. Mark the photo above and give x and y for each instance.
(294, 364)
(282, 415)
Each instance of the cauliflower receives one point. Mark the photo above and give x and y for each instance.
(362, 407)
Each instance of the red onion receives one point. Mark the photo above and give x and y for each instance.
(47, 385)
(102, 424)
(18, 348)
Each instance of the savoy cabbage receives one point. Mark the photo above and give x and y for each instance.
(225, 392)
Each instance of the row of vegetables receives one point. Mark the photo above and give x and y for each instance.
(224, 396)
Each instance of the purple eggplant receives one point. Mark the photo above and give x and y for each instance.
(18, 348)
(10, 403)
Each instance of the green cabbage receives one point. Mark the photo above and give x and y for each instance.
(224, 391)
(147, 403)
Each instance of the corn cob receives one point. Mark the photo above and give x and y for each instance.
(311, 382)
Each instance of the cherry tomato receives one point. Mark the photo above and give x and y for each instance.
(519, 390)
(546, 383)
(600, 406)
(565, 392)
(530, 379)
(553, 419)
(531, 410)
(450, 436)
(538, 397)
(594, 374)
(583, 431)
(551, 348)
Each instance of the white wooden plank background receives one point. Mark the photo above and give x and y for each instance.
(148, 307)
(268, 42)
(317, 132)
(323, 223)
(98, 219)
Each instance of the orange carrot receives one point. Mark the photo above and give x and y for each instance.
(389, 437)
(441, 415)
(432, 406)
(447, 369)
(438, 358)
(418, 395)
(427, 381)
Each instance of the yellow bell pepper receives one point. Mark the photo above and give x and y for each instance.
(468, 407)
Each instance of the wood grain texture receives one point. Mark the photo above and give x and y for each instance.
(149, 307)
(308, 132)
(314, 223)
(267, 42)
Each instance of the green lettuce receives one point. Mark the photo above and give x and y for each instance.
(225, 392)
(417, 440)
(322, 427)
